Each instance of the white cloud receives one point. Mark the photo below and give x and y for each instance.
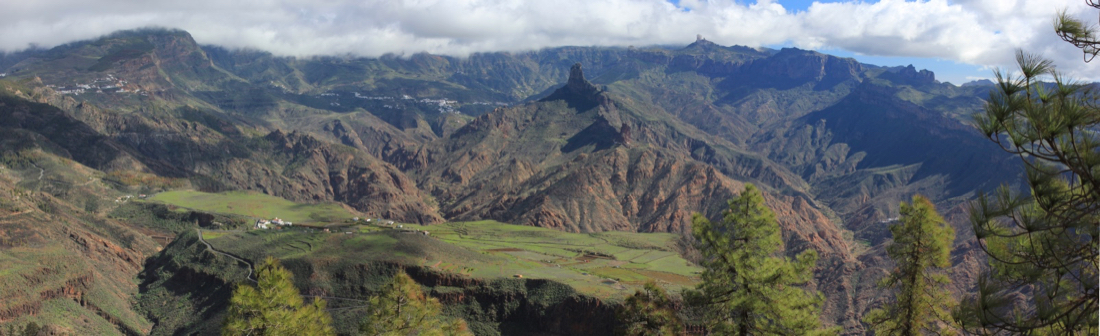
(980, 32)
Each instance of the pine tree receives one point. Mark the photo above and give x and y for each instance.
(1043, 244)
(747, 287)
(402, 309)
(1079, 33)
(649, 311)
(274, 307)
(922, 250)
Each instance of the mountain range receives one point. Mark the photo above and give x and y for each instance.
(578, 139)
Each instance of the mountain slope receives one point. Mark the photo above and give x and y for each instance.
(657, 134)
(66, 266)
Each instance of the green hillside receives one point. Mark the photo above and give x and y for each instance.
(256, 205)
(605, 265)
(639, 141)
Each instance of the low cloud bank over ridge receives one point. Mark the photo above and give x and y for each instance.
(979, 32)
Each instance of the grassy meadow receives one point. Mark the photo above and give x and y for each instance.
(605, 265)
(254, 204)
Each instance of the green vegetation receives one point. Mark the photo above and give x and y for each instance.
(584, 260)
(254, 205)
(402, 308)
(1047, 239)
(1079, 33)
(702, 107)
(596, 264)
(355, 267)
(131, 48)
(650, 311)
(36, 273)
(747, 288)
(185, 266)
(160, 217)
(31, 329)
(922, 250)
(273, 307)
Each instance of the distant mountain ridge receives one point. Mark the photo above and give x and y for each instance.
(651, 136)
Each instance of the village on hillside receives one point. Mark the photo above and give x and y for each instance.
(108, 84)
(278, 223)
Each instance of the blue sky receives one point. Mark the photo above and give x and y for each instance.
(958, 39)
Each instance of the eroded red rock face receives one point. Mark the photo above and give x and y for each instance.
(62, 255)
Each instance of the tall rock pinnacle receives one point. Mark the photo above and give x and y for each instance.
(577, 83)
(577, 92)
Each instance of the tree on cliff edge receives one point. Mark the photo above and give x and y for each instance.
(274, 307)
(921, 250)
(403, 309)
(748, 287)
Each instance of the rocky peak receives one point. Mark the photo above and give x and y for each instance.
(577, 83)
(577, 92)
(624, 135)
(923, 76)
(294, 141)
(702, 43)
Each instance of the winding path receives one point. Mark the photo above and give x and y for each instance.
(212, 249)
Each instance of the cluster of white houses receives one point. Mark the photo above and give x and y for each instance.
(100, 85)
(263, 223)
(368, 220)
(444, 105)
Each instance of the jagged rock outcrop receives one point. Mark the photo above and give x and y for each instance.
(577, 92)
(346, 135)
(624, 134)
(576, 84)
(309, 170)
(923, 76)
(910, 76)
